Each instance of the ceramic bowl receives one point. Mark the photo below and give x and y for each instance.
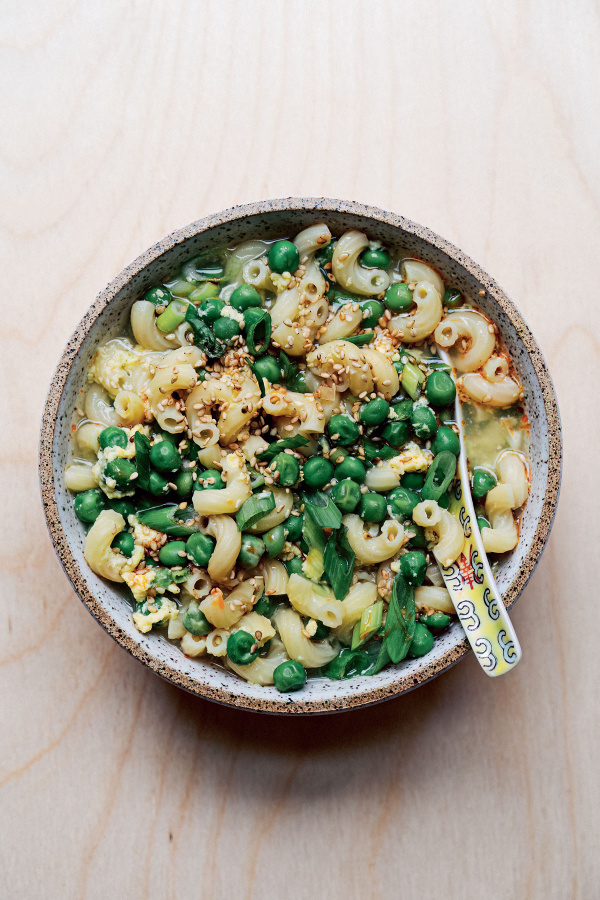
(107, 317)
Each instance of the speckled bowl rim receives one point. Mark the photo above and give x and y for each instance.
(404, 682)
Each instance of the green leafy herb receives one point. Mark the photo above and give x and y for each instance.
(339, 562)
(292, 443)
(354, 662)
(253, 509)
(400, 620)
(203, 336)
(142, 459)
(324, 511)
(258, 330)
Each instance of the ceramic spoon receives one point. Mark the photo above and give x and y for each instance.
(469, 580)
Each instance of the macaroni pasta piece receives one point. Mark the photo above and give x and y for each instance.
(314, 602)
(348, 271)
(311, 654)
(448, 529)
(370, 549)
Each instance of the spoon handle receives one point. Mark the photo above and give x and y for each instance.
(470, 582)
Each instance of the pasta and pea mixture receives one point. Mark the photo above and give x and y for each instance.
(265, 459)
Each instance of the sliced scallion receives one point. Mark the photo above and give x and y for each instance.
(412, 378)
(253, 509)
(173, 316)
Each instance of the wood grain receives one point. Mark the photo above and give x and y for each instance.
(124, 120)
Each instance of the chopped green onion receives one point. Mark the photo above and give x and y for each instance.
(259, 378)
(314, 564)
(173, 316)
(170, 519)
(258, 330)
(324, 511)
(253, 509)
(440, 474)
(289, 369)
(339, 562)
(370, 622)
(359, 339)
(292, 443)
(412, 378)
(163, 578)
(378, 451)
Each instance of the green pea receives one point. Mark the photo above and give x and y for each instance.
(399, 297)
(482, 522)
(446, 439)
(419, 540)
(211, 479)
(414, 481)
(436, 620)
(288, 468)
(422, 641)
(165, 457)
(351, 468)
(124, 507)
(251, 551)
(483, 481)
(372, 312)
(343, 430)
(396, 433)
(346, 495)
(318, 471)
(125, 543)
(453, 298)
(375, 259)
(206, 291)
(423, 422)
(373, 507)
(211, 309)
(245, 297)
(112, 437)
(403, 409)
(413, 566)
(444, 501)
(194, 620)
(199, 548)
(120, 470)
(268, 367)
(374, 412)
(402, 501)
(289, 676)
(242, 648)
(321, 633)
(160, 296)
(440, 389)
(184, 483)
(89, 504)
(266, 606)
(157, 484)
(226, 329)
(294, 566)
(274, 541)
(169, 553)
(284, 257)
(294, 526)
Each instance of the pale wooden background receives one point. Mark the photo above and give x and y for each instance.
(124, 120)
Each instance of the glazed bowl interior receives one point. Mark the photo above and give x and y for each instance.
(109, 316)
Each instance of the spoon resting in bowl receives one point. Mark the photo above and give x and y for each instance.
(469, 580)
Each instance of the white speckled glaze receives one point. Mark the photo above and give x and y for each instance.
(108, 317)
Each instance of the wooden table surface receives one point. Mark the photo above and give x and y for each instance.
(123, 120)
